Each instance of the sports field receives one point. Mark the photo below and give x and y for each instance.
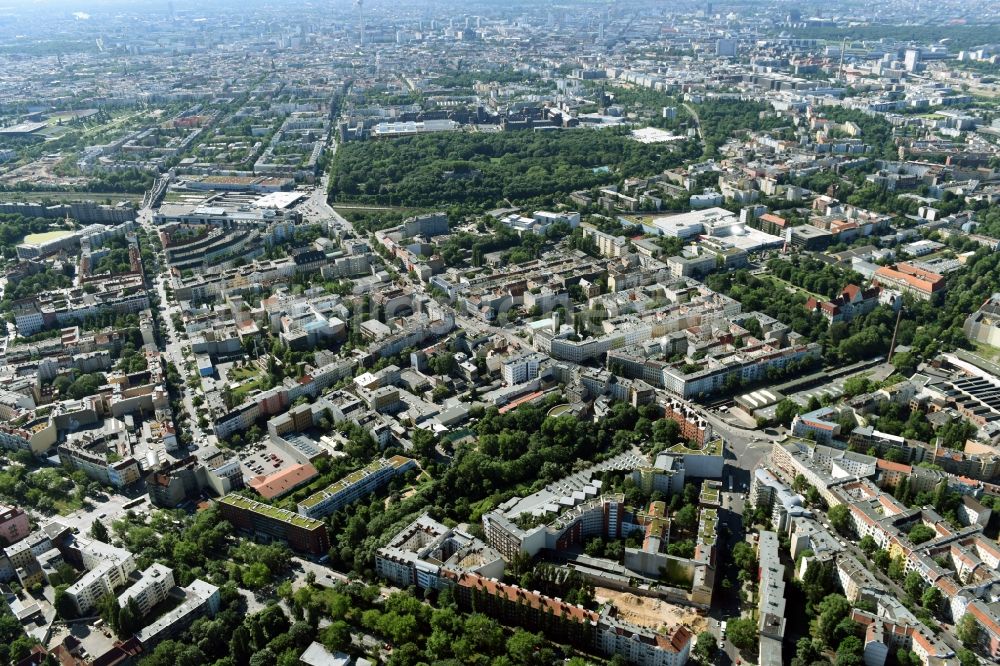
(45, 236)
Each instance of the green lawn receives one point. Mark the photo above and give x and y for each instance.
(245, 389)
(987, 352)
(46, 236)
(67, 505)
(239, 374)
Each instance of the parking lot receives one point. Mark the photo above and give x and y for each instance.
(264, 458)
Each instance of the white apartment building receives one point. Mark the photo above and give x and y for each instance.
(521, 368)
(152, 588)
(108, 567)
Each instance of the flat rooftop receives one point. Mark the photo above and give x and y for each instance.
(282, 515)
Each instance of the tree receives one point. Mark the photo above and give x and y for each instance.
(527, 648)
(337, 636)
(896, 568)
(265, 657)
(931, 599)
(967, 657)
(109, 610)
(920, 533)
(742, 632)
(856, 386)
(807, 652)
(785, 411)
(239, 646)
(666, 431)
(424, 442)
(706, 647)
(968, 631)
(868, 545)
(914, 585)
(485, 633)
(817, 582)
(831, 611)
(443, 364)
(839, 517)
(850, 652)
(744, 557)
(129, 619)
(256, 576)
(882, 559)
(99, 531)
(687, 517)
(63, 603)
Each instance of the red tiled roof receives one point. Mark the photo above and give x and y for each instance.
(675, 641)
(890, 466)
(984, 618)
(516, 594)
(279, 483)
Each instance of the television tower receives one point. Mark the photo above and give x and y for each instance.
(843, 50)
(361, 21)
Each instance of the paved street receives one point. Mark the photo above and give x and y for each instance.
(174, 346)
(105, 509)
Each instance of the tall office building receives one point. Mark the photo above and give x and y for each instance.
(725, 48)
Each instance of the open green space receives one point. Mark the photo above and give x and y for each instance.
(484, 170)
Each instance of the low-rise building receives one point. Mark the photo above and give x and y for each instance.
(907, 278)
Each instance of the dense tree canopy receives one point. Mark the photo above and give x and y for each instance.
(484, 168)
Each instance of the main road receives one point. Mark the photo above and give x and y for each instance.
(174, 345)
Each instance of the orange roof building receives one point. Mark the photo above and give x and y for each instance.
(279, 484)
(922, 284)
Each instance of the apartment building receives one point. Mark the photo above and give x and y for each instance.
(122, 294)
(568, 623)
(607, 244)
(771, 596)
(271, 523)
(743, 366)
(354, 486)
(172, 483)
(152, 588)
(422, 552)
(778, 499)
(201, 599)
(819, 425)
(99, 465)
(14, 525)
(587, 512)
(521, 368)
(108, 567)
